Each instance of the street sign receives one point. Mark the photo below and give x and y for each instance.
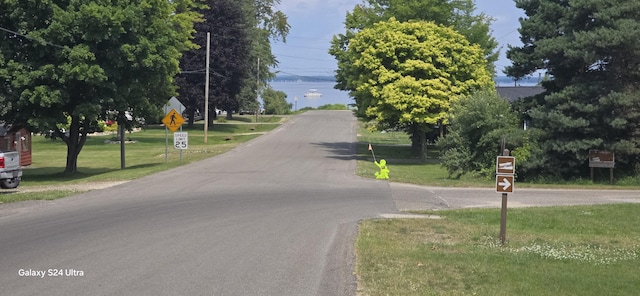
(173, 103)
(506, 165)
(173, 120)
(504, 183)
(181, 140)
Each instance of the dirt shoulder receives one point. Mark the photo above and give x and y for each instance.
(68, 187)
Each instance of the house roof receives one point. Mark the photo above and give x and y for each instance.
(513, 93)
(8, 128)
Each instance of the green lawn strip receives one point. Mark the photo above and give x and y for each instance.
(583, 250)
(12, 196)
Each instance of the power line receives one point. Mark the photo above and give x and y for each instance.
(300, 46)
(308, 77)
(31, 38)
(301, 58)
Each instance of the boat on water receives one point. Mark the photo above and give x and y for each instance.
(312, 93)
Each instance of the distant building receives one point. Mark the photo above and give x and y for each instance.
(17, 139)
(514, 93)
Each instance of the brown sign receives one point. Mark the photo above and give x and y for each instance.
(504, 183)
(506, 165)
(601, 159)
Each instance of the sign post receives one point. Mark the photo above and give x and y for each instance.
(505, 169)
(602, 159)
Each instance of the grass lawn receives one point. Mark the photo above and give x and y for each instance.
(583, 250)
(395, 148)
(99, 160)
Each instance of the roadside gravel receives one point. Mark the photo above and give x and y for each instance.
(67, 187)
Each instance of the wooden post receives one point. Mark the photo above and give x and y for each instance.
(503, 212)
(503, 220)
(206, 91)
(611, 175)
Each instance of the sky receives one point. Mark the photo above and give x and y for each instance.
(314, 23)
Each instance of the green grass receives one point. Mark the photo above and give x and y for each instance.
(395, 148)
(587, 250)
(100, 161)
(584, 250)
(10, 196)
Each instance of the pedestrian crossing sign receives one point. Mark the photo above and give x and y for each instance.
(173, 121)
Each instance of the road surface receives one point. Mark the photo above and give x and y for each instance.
(276, 216)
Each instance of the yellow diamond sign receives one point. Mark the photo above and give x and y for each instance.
(173, 120)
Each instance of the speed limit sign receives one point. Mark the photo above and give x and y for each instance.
(181, 140)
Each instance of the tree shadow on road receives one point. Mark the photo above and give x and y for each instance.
(339, 150)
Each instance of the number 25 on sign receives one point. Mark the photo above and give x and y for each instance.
(180, 140)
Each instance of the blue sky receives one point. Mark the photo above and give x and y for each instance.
(313, 24)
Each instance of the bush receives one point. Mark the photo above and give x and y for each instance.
(275, 102)
(333, 107)
(478, 123)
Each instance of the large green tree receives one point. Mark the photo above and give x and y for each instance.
(407, 74)
(241, 32)
(458, 14)
(84, 59)
(270, 25)
(591, 51)
(230, 47)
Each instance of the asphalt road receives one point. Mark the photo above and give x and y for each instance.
(276, 216)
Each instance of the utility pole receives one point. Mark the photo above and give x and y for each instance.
(258, 89)
(206, 93)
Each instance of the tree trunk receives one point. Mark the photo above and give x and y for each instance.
(75, 141)
(418, 141)
(423, 145)
(190, 114)
(72, 160)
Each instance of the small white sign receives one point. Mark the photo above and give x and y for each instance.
(181, 140)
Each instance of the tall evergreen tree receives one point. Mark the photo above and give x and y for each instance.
(591, 51)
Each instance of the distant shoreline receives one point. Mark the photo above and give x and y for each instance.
(500, 80)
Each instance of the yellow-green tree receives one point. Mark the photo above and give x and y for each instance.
(405, 75)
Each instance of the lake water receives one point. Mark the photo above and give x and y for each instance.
(296, 87)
